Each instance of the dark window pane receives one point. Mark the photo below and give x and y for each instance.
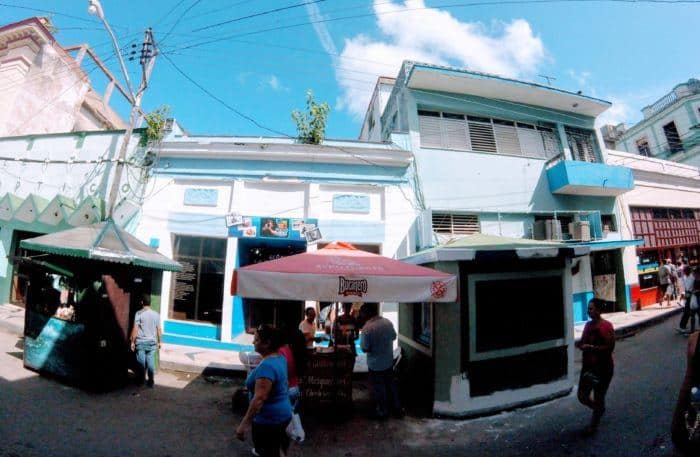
(428, 113)
(187, 246)
(214, 247)
(452, 116)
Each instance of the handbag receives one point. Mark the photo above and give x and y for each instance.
(694, 302)
(294, 430)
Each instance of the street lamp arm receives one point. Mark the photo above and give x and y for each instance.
(94, 7)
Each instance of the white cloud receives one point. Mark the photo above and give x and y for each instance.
(274, 83)
(413, 32)
(580, 77)
(619, 112)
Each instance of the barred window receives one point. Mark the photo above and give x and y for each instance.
(456, 224)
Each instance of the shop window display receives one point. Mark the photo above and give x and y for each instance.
(198, 288)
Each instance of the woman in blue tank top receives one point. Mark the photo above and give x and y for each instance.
(269, 410)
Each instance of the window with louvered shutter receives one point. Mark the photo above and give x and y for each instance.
(456, 224)
(429, 125)
(506, 137)
(531, 141)
(454, 131)
(481, 134)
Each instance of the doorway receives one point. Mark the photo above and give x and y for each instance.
(20, 273)
(280, 313)
(609, 280)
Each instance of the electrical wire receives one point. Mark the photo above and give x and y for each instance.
(408, 10)
(196, 2)
(222, 102)
(162, 18)
(262, 13)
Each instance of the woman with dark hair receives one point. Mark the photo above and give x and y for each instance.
(269, 410)
(294, 351)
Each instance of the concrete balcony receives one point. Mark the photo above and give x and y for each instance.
(573, 177)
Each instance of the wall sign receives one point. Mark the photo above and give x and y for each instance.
(201, 197)
(351, 203)
(272, 227)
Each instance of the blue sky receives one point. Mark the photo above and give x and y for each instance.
(628, 53)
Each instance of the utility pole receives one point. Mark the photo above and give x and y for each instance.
(147, 60)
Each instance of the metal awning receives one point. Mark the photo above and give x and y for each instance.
(103, 241)
(605, 245)
(468, 247)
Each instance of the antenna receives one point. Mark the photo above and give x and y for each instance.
(548, 78)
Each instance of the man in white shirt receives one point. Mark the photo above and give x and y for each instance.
(308, 327)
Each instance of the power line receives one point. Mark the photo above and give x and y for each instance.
(56, 13)
(179, 19)
(162, 18)
(408, 10)
(262, 13)
(224, 103)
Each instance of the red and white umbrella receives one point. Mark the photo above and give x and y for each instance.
(342, 273)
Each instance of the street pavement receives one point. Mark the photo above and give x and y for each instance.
(188, 414)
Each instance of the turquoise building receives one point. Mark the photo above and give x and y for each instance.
(503, 168)
(506, 157)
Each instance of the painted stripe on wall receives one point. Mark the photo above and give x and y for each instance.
(580, 303)
(194, 330)
(205, 343)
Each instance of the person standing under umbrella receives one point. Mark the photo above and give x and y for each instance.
(377, 341)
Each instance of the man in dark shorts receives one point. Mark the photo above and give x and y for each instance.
(597, 344)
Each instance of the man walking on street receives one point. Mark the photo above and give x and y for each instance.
(665, 283)
(377, 341)
(145, 338)
(597, 343)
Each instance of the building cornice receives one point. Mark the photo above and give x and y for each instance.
(387, 157)
(644, 123)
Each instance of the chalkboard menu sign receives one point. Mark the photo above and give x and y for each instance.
(185, 286)
(327, 382)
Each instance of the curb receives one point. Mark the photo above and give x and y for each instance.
(631, 330)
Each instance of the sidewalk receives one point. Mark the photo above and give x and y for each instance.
(196, 360)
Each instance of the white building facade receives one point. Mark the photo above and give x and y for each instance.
(273, 191)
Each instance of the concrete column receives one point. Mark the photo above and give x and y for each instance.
(564, 143)
(228, 314)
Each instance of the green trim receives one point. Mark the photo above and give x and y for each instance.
(630, 132)
(90, 248)
(691, 112)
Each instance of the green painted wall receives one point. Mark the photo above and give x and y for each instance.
(447, 337)
(7, 249)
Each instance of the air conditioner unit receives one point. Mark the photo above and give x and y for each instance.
(580, 230)
(549, 229)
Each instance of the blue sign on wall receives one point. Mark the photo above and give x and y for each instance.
(272, 227)
(201, 197)
(351, 203)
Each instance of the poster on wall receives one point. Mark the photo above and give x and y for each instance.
(272, 227)
(604, 287)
